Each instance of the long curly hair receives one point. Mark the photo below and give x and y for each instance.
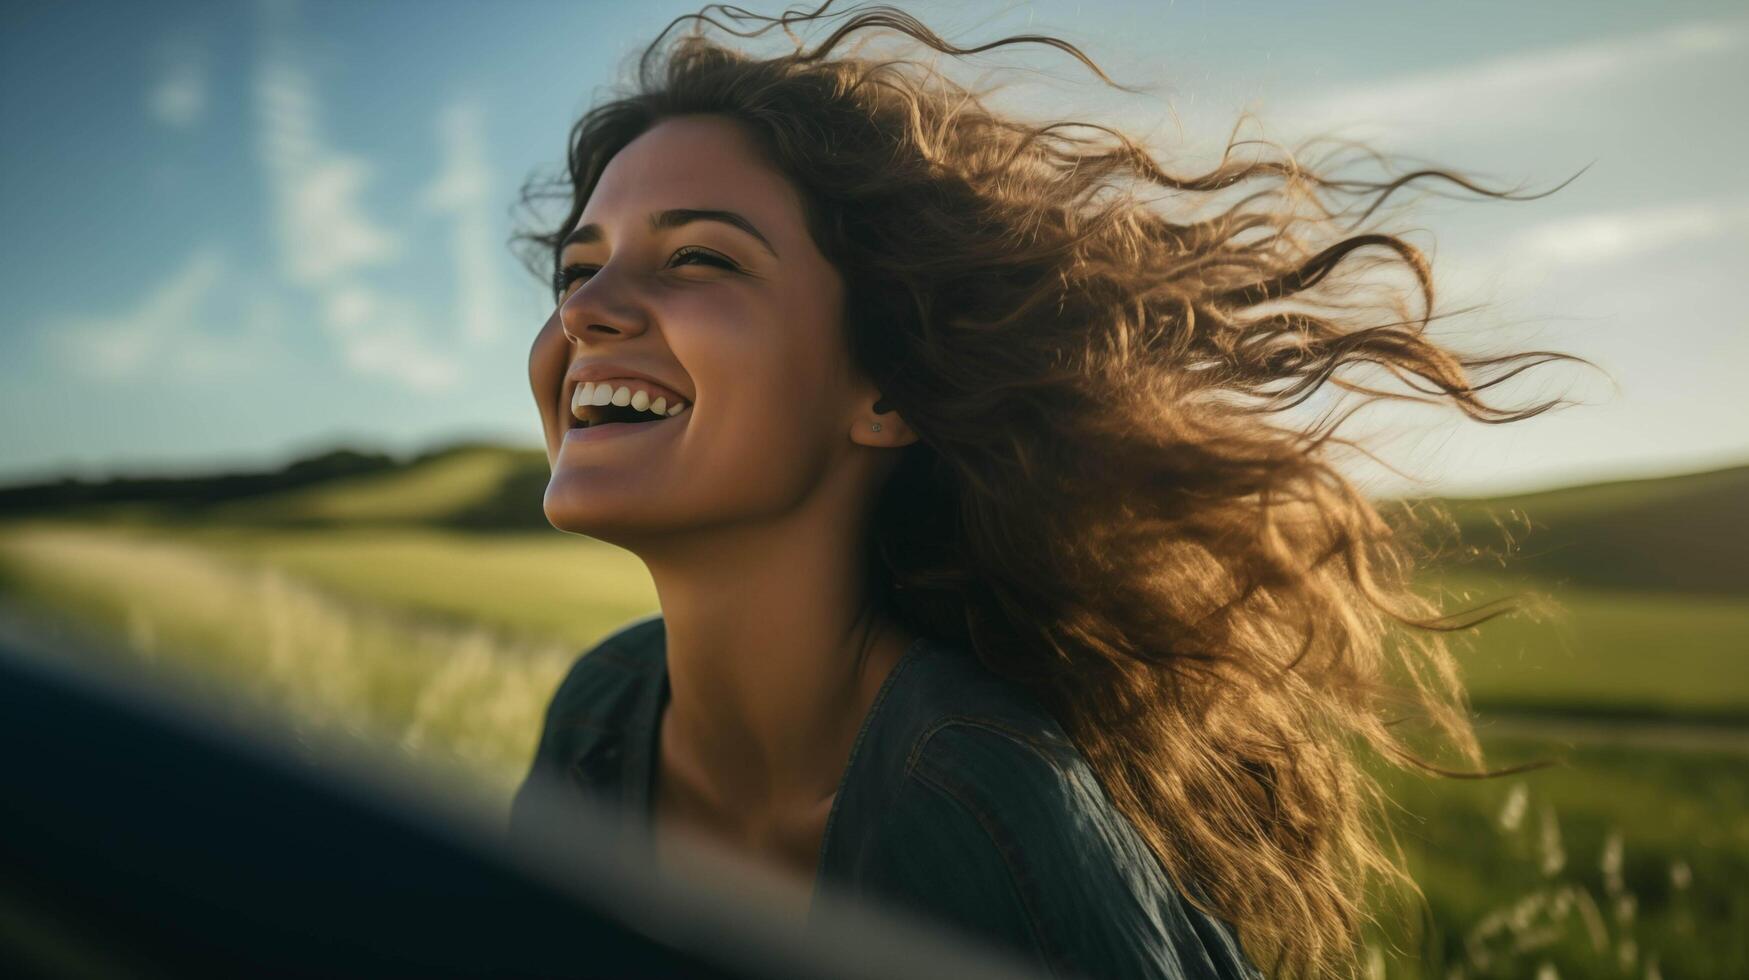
(1098, 504)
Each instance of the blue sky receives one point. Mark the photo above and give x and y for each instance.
(239, 233)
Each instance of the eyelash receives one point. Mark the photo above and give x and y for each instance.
(566, 275)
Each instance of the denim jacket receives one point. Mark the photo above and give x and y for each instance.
(964, 802)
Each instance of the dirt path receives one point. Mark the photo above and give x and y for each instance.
(1675, 735)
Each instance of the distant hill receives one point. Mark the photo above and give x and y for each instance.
(72, 493)
(466, 485)
(1686, 533)
(483, 487)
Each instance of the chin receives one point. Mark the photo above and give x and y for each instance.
(589, 505)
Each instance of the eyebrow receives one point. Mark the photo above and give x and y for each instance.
(674, 218)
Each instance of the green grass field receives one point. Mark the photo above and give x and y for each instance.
(1610, 653)
(372, 611)
(1616, 861)
(1607, 652)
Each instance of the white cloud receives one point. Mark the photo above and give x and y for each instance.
(406, 356)
(463, 189)
(382, 335)
(324, 232)
(178, 96)
(328, 241)
(1593, 239)
(1511, 87)
(1515, 270)
(163, 334)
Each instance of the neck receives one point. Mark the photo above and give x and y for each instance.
(767, 690)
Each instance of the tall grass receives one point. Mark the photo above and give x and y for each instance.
(462, 702)
(1619, 863)
(1614, 863)
(1557, 907)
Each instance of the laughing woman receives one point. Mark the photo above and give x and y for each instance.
(989, 588)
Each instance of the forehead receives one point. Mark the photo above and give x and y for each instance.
(694, 162)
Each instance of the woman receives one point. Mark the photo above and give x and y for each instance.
(988, 590)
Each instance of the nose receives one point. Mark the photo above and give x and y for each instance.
(603, 306)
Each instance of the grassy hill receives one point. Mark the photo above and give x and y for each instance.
(428, 605)
(465, 485)
(1687, 533)
(1647, 576)
(485, 487)
(1675, 534)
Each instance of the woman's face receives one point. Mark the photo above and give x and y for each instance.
(692, 266)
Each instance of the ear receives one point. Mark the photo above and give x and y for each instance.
(892, 433)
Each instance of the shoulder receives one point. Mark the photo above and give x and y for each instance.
(604, 682)
(996, 822)
(592, 715)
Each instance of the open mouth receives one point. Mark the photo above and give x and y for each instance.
(620, 418)
(615, 415)
(593, 405)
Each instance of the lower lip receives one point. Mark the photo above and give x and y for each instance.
(611, 430)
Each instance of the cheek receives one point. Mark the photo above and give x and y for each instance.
(763, 451)
(764, 383)
(548, 358)
(739, 350)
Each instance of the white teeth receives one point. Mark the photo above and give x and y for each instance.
(601, 393)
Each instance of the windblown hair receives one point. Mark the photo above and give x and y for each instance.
(1098, 505)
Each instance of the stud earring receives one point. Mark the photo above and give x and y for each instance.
(876, 426)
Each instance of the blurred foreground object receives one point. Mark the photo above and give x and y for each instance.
(140, 836)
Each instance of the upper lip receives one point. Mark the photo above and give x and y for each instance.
(582, 371)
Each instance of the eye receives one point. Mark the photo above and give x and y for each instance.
(704, 255)
(567, 275)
